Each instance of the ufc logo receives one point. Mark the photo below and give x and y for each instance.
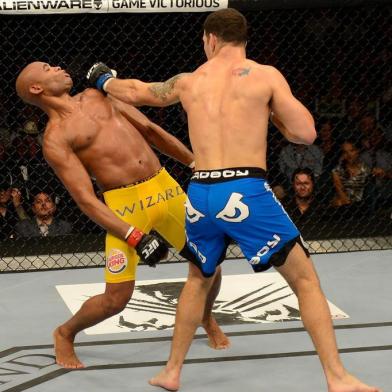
(149, 250)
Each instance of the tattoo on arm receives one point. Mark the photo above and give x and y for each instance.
(162, 90)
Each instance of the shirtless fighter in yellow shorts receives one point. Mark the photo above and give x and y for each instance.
(90, 133)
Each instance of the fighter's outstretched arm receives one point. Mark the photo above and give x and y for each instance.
(139, 93)
(75, 178)
(154, 134)
(134, 91)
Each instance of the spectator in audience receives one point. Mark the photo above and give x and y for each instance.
(303, 87)
(303, 206)
(299, 156)
(367, 126)
(354, 110)
(379, 160)
(331, 102)
(327, 142)
(28, 166)
(31, 124)
(11, 209)
(350, 176)
(44, 223)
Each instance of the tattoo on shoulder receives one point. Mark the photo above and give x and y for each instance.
(162, 90)
(241, 72)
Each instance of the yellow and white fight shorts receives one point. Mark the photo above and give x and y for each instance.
(156, 203)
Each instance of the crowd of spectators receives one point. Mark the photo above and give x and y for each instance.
(17, 222)
(345, 179)
(33, 202)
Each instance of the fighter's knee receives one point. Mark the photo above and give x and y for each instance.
(199, 282)
(307, 283)
(115, 303)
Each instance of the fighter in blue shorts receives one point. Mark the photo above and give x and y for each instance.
(229, 100)
(237, 204)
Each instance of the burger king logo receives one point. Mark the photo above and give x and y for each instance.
(117, 261)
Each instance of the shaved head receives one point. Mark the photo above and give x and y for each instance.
(26, 78)
(38, 82)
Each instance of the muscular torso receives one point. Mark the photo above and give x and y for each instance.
(227, 103)
(109, 147)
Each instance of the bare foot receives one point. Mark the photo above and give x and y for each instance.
(169, 380)
(350, 384)
(216, 338)
(64, 349)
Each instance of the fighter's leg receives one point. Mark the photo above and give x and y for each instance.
(268, 237)
(299, 272)
(120, 271)
(207, 243)
(93, 311)
(216, 337)
(172, 228)
(189, 315)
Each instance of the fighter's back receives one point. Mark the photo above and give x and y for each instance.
(227, 102)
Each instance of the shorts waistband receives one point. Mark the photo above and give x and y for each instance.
(232, 173)
(136, 182)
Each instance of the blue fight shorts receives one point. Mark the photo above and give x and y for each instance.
(237, 204)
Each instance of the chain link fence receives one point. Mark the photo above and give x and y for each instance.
(337, 61)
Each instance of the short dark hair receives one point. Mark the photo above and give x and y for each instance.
(305, 171)
(39, 191)
(354, 142)
(228, 24)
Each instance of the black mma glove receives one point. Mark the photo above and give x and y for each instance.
(150, 248)
(99, 74)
